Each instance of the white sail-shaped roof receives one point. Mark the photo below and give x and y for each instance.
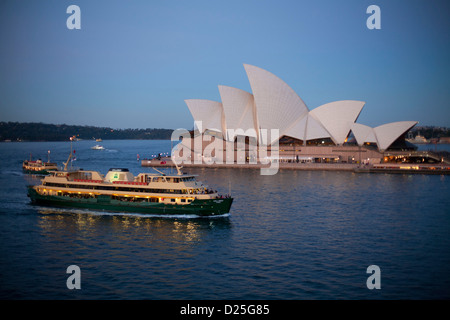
(337, 117)
(307, 128)
(387, 133)
(315, 130)
(298, 128)
(363, 133)
(278, 106)
(209, 112)
(383, 135)
(239, 110)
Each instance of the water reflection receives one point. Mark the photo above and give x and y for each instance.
(85, 225)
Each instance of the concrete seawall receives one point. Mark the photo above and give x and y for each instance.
(352, 167)
(282, 166)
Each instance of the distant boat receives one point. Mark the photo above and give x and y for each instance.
(97, 147)
(98, 140)
(38, 167)
(419, 139)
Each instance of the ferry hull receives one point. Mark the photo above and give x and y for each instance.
(207, 207)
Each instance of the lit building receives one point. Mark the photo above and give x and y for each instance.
(327, 133)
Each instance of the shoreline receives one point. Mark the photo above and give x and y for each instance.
(348, 167)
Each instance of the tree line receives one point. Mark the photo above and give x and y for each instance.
(34, 131)
(16, 131)
(430, 132)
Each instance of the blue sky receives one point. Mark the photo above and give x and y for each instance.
(133, 63)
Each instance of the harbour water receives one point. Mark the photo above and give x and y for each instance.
(292, 236)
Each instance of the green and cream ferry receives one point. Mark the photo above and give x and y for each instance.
(121, 191)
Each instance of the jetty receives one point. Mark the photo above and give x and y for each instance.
(442, 168)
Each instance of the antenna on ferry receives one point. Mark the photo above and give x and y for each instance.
(162, 173)
(70, 156)
(176, 165)
(67, 162)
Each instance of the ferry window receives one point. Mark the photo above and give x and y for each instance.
(86, 175)
(172, 200)
(183, 200)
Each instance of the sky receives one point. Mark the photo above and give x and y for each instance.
(133, 63)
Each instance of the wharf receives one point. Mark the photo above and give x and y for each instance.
(281, 165)
(409, 168)
(352, 167)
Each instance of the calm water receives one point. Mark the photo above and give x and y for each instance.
(295, 235)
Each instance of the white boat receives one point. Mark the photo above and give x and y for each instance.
(419, 139)
(98, 147)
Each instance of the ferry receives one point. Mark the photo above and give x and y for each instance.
(419, 139)
(121, 191)
(39, 167)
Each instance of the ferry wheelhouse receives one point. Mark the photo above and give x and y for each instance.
(121, 191)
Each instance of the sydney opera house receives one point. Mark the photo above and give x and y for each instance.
(328, 133)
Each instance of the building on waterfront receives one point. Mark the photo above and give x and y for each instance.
(328, 133)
